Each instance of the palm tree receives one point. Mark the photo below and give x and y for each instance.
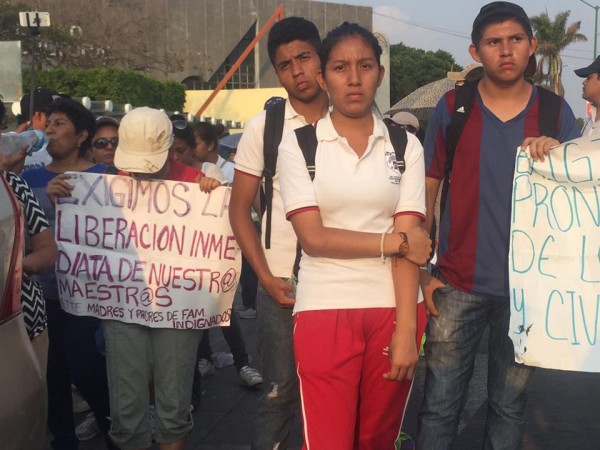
(553, 37)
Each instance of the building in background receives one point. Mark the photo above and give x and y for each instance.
(192, 41)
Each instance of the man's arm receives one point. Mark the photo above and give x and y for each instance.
(426, 280)
(243, 193)
(432, 187)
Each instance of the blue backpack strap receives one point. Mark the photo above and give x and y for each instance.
(275, 116)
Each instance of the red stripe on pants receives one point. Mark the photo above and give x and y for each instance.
(346, 402)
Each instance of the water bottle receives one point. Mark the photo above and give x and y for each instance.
(13, 142)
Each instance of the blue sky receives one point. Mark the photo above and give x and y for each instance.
(441, 24)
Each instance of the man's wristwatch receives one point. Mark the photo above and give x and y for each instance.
(403, 247)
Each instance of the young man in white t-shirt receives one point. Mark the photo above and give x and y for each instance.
(293, 44)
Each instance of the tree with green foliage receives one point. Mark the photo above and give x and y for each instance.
(553, 37)
(411, 68)
(118, 85)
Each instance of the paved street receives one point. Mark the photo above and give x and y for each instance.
(563, 409)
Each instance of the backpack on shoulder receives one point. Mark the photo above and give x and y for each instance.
(272, 134)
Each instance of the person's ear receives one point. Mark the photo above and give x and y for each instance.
(39, 119)
(381, 75)
(321, 81)
(474, 53)
(83, 135)
(533, 45)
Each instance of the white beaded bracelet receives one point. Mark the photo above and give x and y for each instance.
(381, 247)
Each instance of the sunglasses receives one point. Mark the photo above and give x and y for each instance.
(180, 124)
(102, 143)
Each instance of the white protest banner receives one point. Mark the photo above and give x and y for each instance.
(157, 253)
(554, 260)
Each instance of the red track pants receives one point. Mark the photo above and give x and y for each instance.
(346, 402)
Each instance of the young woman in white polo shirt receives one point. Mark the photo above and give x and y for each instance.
(356, 300)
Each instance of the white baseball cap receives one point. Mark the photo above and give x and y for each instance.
(145, 136)
(406, 118)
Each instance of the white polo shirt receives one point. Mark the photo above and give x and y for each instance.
(352, 193)
(249, 159)
(222, 170)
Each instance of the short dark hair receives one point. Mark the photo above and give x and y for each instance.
(292, 29)
(497, 12)
(343, 31)
(221, 130)
(186, 135)
(207, 132)
(42, 99)
(81, 118)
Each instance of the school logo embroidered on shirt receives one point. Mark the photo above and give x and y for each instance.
(393, 169)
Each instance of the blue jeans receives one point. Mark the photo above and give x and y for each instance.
(451, 347)
(249, 282)
(280, 400)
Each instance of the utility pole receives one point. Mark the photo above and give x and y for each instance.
(596, 8)
(33, 21)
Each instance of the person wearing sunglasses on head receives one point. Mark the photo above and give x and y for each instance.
(179, 122)
(105, 141)
(184, 142)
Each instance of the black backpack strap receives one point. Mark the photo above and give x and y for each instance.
(399, 141)
(307, 140)
(549, 112)
(275, 116)
(463, 103)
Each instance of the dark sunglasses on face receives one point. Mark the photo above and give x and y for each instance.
(102, 143)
